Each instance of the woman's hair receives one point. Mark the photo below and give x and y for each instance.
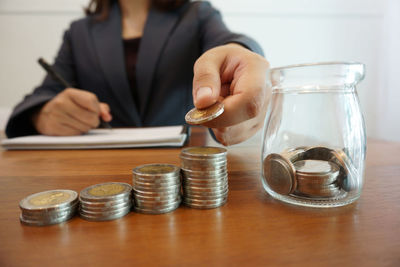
(101, 8)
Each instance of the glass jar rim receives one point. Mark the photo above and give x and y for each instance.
(313, 64)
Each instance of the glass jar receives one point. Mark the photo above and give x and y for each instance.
(314, 142)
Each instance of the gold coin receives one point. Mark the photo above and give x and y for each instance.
(50, 198)
(155, 169)
(198, 116)
(204, 150)
(106, 190)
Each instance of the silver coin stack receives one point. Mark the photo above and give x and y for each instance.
(204, 177)
(49, 207)
(107, 201)
(317, 178)
(156, 188)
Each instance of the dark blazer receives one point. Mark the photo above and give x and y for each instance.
(92, 58)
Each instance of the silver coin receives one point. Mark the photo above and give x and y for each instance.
(104, 218)
(47, 213)
(206, 176)
(312, 167)
(217, 172)
(320, 192)
(204, 168)
(280, 174)
(189, 184)
(206, 197)
(106, 204)
(157, 198)
(44, 212)
(208, 206)
(157, 206)
(101, 214)
(105, 192)
(157, 183)
(156, 189)
(48, 216)
(45, 222)
(205, 202)
(105, 209)
(317, 180)
(204, 189)
(139, 202)
(156, 192)
(156, 211)
(316, 187)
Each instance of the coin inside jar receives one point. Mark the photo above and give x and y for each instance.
(279, 174)
(315, 167)
(198, 116)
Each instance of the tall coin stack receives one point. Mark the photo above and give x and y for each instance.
(107, 201)
(156, 188)
(48, 207)
(204, 177)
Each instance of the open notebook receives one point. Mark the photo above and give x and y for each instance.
(104, 138)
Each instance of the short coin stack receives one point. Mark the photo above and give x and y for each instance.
(317, 178)
(49, 207)
(156, 188)
(205, 177)
(107, 201)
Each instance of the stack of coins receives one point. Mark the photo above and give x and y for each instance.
(49, 207)
(317, 178)
(103, 202)
(205, 177)
(156, 188)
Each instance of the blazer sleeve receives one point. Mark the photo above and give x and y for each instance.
(19, 123)
(213, 31)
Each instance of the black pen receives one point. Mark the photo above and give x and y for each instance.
(56, 76)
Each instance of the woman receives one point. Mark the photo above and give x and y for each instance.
(134, 60)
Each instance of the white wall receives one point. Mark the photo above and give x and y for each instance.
(290, 31)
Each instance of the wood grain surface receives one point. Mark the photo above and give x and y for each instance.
(252, 229)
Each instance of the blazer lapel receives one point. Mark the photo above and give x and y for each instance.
(108, 43)
(155, 35)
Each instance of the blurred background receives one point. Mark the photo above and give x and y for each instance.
(290, 32)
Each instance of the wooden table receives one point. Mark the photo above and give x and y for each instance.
(252, 229)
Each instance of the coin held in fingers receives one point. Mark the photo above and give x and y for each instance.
(199, 116)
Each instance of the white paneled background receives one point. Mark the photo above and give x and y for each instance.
(290, 31)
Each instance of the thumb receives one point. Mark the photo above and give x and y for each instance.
(206, 80)
(105, 112)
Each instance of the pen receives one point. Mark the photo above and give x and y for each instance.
(56, 76)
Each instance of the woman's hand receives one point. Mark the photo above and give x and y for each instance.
(71, 112)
